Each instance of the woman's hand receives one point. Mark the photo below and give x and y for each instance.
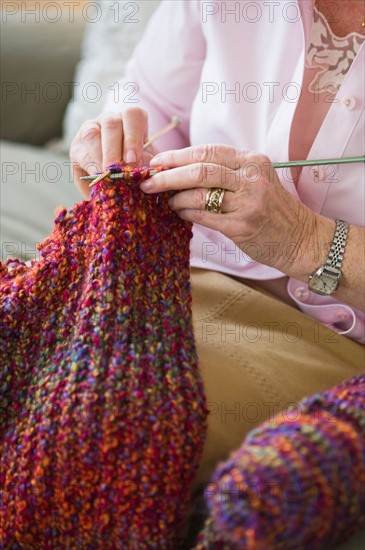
(260, 216)
(109, 138)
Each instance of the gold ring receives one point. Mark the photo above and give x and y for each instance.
(213, 202)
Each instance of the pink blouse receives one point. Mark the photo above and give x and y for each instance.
(232, 72)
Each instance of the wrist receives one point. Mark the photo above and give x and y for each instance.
(315, 244)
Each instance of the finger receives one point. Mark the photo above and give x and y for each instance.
(146, 158)
(111, 139)
(197, 199)
(83, 165)
(151, 150)
(90, 134)
(84, 162)
(191, 176)
(226, 155)
(135, 128)
(218, 222)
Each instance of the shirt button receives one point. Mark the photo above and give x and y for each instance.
(301, 293)
(317, 173)
(348, 102)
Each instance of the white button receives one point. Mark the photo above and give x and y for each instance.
(301, 293)
(342, 315)
(317, 173)
(348, 102)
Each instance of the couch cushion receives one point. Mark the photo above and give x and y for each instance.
(37, 67)
(34, 182)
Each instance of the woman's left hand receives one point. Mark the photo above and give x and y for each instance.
(258, 214)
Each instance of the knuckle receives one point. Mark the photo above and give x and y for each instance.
(170, 158)
(197, 172)
(136, 112)
(89, 132)
(250, 156)
(252, 167)
(160, 180)
(265, 159)
(198, 198)
(111, 122)
(250, 159)
(199, 216)
(204, 153)
(256, 210)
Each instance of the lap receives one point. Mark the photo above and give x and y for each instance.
(258, 356)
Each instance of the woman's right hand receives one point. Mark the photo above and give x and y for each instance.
(111, 137)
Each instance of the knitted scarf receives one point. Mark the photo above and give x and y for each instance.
(102, 410)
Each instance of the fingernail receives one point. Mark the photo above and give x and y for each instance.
(146, 185)
(131, 156)
(155, 160)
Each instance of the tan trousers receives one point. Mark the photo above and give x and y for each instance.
(257, 357)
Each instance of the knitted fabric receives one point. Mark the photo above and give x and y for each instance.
(102, 410)
(132, 174)
(298, 480)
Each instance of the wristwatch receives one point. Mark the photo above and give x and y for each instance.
(326, 279)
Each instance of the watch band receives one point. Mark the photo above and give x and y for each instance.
(335, 256)
(326, 279)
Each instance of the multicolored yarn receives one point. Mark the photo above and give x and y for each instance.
(102, 410)
(298, 480)
(132, 174)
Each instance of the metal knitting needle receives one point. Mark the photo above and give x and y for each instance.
(175, 122)
(115, 176)
(293, 163)
(345, 160)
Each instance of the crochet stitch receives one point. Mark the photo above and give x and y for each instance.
(102, 409)
(298, 480)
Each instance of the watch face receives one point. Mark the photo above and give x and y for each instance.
(317, 284)
(324, 283)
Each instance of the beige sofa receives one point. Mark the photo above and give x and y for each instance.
(36, 178)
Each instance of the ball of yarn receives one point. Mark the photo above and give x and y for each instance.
(102, 409)
(298, 480)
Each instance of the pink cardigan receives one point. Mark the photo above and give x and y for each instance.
(232, 71)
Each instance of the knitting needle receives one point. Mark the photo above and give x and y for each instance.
(115, 176)
(173, 124)
(344, 160)
(294, 163)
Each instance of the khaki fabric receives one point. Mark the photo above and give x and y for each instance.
(257, 357)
